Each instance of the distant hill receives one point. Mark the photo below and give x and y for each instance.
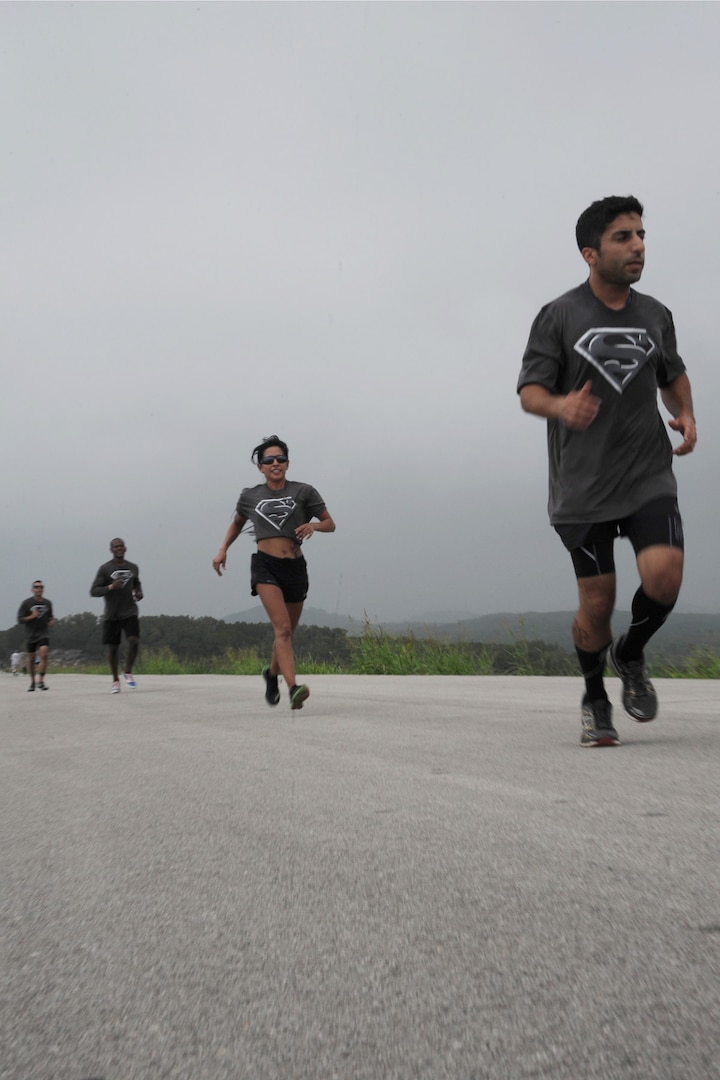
(310, 617)
(680, 634)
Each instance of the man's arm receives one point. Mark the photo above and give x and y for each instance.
(25, 613)
(575, 410)
(677, 399)
(100, 585)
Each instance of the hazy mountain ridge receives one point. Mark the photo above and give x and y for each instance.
(682, 632)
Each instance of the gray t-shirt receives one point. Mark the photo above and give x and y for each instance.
(119, 603)
(623, 460)
(278, 513)
(36, 628)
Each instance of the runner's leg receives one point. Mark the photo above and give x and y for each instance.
(284, 618)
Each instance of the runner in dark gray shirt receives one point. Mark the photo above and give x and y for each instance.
(118, 582)
(592, 368)
(36, 615)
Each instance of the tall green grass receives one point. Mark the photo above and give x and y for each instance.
(375, 652)
(231, 662)
(701, 664)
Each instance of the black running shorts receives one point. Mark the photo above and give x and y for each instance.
(33, 646)
(290, 576)
(113, 629)
(591, 546)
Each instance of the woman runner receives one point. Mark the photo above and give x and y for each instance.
(281, 514)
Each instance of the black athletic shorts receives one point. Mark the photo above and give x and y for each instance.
(113, 629)
(591, 546)
(33, 646)
(290, 576)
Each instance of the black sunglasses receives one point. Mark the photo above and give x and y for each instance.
(269, 458)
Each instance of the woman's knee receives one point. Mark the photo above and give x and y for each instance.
(282, 630)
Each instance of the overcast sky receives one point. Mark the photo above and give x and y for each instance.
(335, 222)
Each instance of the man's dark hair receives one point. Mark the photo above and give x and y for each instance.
(271, 440)
(593, 222)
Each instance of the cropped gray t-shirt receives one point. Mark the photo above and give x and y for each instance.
(278, 513)
(623, 460)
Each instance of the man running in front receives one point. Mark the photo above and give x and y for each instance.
(594, 361)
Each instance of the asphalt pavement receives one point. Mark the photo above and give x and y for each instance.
(413, 878)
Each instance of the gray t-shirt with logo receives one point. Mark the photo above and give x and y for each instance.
(623, 460)
(39, 627)
(119, 603)
(278, 513)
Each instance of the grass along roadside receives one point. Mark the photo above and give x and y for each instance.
(377, 653)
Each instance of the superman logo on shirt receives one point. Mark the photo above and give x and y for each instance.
(122, 575)
(618, 353)
(276, 511)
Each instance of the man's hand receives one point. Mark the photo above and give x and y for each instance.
(219, 562)
(579, 408)
(686, 426)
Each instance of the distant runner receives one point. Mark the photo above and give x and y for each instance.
(118, 581)
(36, 613)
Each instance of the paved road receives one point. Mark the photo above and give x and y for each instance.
(411, 879)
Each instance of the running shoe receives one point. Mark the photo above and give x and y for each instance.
(638, 695)
(115, 687)
(298, 695)
(31, 687)
(42, 686)
(596, 720)
(128, 677)
(272, 691)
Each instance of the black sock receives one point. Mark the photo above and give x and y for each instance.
(647, 618)
(592, 665)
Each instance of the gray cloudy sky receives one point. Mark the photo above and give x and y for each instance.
(335, 222)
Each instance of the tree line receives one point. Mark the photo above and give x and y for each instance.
(185, 636)
(195, 639)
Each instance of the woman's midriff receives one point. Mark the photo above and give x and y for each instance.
(282, 547)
